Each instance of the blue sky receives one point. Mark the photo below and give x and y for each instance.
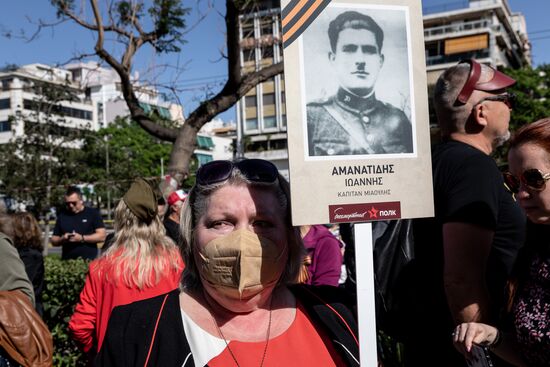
(200, 58)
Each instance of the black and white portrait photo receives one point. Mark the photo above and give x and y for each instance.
(357, 76)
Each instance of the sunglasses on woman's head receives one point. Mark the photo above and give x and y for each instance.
(533, 179)
(255, 170)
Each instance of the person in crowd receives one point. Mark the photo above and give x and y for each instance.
(325, 255)
(172, 221)
(27, 238)
(161, 205)
(529, 345)
(12, 270)
(78, 229)
(142, 262)
(13, 276)
(464, 256)
(235, 305)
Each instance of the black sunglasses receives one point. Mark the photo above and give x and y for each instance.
(533, 179)
(255, 170)
(71, 203)
(509, 99)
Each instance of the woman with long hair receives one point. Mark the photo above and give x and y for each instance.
(529, 344)
(27, 238)
(142, 262)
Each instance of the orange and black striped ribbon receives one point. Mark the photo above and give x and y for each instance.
(298, 15)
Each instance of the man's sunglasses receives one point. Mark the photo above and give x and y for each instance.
(255, 170)
(509, 99)
(71, 203)
(533, 179)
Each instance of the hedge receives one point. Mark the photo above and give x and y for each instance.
(64, 280)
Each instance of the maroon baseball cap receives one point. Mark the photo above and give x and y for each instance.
(499, 81)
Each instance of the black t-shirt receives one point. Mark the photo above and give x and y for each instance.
(468, 188)
(85, 222)
(173, 230)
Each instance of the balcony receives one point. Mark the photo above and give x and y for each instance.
(445, 59)
(454, 29)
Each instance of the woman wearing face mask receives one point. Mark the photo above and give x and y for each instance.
(236, 305)
(529, 345)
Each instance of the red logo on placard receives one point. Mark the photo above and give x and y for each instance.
(364, 212)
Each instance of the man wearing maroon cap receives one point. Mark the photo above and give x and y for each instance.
(172, 220)
(463, 256)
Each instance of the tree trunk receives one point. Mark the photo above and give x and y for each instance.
(182, 151)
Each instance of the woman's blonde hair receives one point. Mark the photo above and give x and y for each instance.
(141, 253)
(195, 206)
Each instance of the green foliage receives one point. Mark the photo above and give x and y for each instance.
(126, 12)
(36, 165)
(132, 153)
(533, 94)
(533, 100)
(169, 19)
(64, 281)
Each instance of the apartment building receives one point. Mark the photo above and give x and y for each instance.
(261, 114)
(487, 30)
(102, 85)
(20, 100)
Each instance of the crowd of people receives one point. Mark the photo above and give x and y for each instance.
(223, 278)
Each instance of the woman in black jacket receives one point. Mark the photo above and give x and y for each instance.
(27, 238)
(237, 305)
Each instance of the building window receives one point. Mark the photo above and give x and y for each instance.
(251, 124)
(57, 109)
(5, 104)
(268, 99)
(266, 26)
(248, 55)
(283, 98)
(6, 84)
(77, 75)
(267, 52)
(270, 122)
(248, 29)
(251, 101)
(205, 142)
(5, 126)
(203, 158)
(283, 118)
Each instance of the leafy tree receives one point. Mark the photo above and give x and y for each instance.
(533, 94)
(532, 100)
(131, 151)
(126, 21)
(38, 164)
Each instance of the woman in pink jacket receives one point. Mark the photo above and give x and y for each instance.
(141, 263)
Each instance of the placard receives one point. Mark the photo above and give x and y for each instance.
(357, 111)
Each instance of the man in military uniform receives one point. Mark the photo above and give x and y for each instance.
(354, 121)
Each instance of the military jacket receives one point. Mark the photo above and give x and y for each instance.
(346, 124)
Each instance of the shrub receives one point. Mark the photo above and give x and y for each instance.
(64, 280)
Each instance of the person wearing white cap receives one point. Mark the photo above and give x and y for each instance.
(172, 220)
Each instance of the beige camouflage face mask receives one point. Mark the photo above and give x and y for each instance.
(241, 264)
